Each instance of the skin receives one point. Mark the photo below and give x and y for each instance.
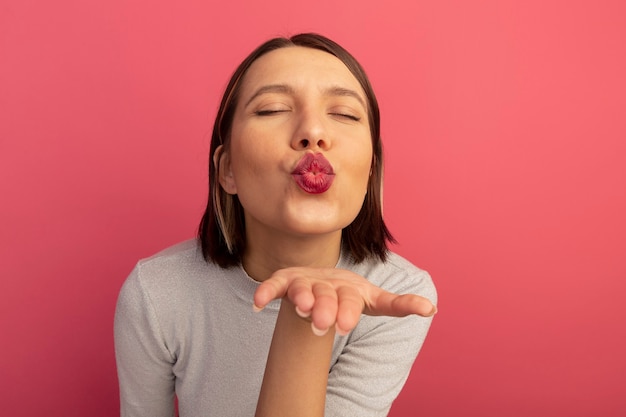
(288, 106)
(296, 100)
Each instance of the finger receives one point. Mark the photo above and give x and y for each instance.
(394, 305)
(301, 295)
(350, 307)
(274, 287)
(324, 312)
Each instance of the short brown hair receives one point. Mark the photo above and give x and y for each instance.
(222, 228)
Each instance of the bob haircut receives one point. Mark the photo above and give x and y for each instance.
(222, 230)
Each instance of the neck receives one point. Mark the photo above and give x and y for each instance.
(265, 256)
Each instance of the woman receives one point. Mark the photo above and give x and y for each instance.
(263, 314)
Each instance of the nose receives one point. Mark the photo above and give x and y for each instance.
(311, 132)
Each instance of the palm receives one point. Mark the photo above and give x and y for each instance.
(331, 296)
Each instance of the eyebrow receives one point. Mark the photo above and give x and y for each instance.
(271, 88)
(345, 92)
(286, 89)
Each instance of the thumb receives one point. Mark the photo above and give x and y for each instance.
(394, 305)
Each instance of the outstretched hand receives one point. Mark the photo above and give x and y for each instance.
(330, 296)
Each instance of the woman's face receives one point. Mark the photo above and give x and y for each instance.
(300, 148)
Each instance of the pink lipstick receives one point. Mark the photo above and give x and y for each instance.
(314, 174)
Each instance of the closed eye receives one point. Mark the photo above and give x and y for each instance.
(268, 112)
(347, 116)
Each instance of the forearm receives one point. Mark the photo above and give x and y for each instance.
(296, 374)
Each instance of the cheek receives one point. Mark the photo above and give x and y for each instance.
(355, 188)
(363, 164)
(248, 157)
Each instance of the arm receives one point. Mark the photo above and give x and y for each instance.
(373, 365)
(144, 365)
(297, 368)
(296, 373)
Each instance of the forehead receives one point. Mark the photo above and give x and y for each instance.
(299, 67)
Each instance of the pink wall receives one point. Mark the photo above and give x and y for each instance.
(505, 134)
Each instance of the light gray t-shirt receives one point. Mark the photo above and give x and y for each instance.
(185, 327)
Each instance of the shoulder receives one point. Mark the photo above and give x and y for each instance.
(184, 254)
(180, 261)
(177, 271)
(397, 275)
(172, 292)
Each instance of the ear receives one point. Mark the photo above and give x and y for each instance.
(221, 160)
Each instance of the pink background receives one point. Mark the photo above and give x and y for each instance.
(505, 131)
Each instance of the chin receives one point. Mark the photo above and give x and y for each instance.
(312, 228)
(316, 226)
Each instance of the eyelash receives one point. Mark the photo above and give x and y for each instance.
(268, 112)
(272, 112)
(347, 116)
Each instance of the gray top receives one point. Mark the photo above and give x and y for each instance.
(186, 327)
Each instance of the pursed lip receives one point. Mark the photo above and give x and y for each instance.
(314, 173)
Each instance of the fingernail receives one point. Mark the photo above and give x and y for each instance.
(318, 332)
(340, 331)
(301, 313)
(433, 311)
(256, 308)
